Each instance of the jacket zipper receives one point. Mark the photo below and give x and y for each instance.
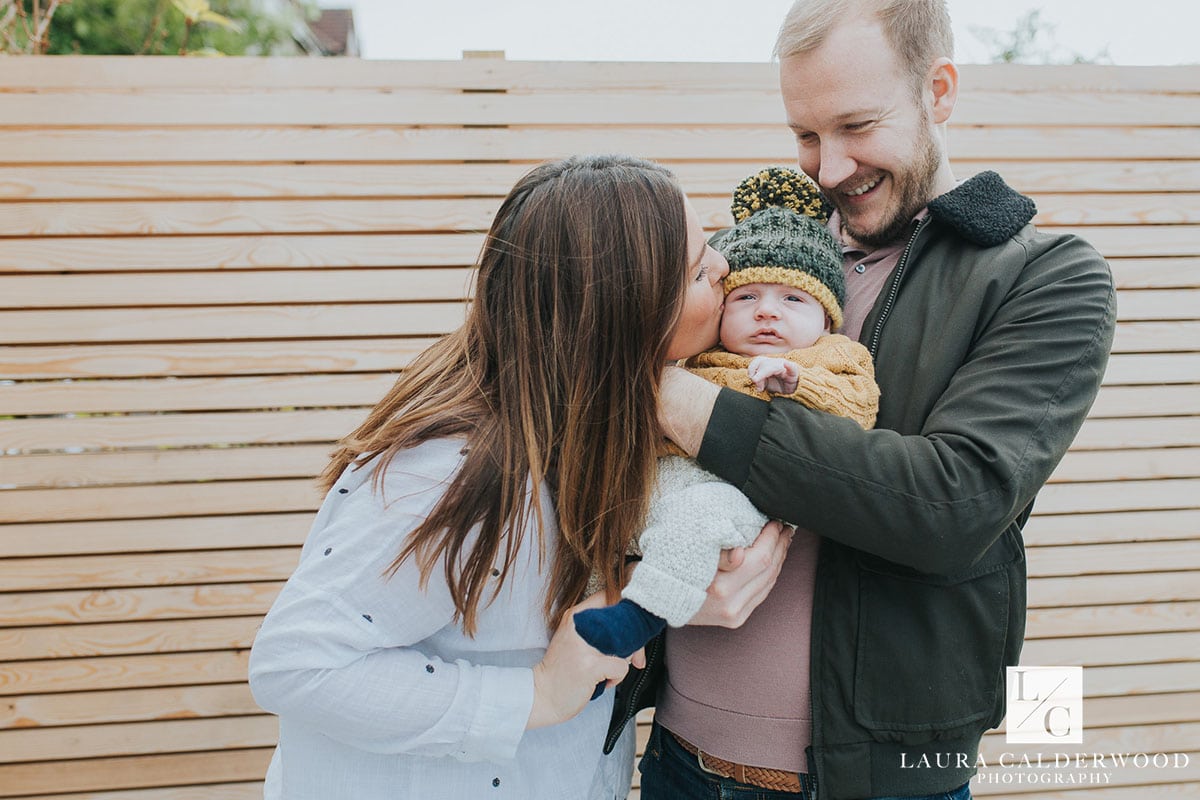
(893, 291)
(894, 288)
(651, 655)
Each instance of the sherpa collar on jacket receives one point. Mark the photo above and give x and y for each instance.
(983, 209)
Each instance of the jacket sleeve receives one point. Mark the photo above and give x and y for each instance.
(340, 650)
(936, 498)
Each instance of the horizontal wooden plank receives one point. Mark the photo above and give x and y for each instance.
(326, 181)
(1111, 434)
(1117, 209)
(106, 290)
(433, 107)
(1141, 679)
(1125, 241)
(325, 390)
(135, 254)
(391, 180)
(119, 72)
(122, 672)
(1161, 304)
(217, 323)
(242, 790)
(1156, 337)
(1049, 623)
(1146, 587)
(1119, 526)
(373, 355)
(179, 430)
(751, 144)
(301, 494)
(242, 217)
(1110, 465)
(1119, 495)
(1125, 557)
(1038, 178)
(148, 569)
(1146, 401)
(163, 466)
(150, 535)
(173, 736)
(234, 105)
(128, 638)
(1152, 273)
(426, 215)
(222, 358)
(1067, 142)
(1143, 369)
(90, 775)
(284, 461)
(26, 609)
(1145, 648)
(130, 705)
(85, 326)
(201, 394)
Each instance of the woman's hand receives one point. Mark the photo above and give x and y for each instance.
(744, 578)
(568, 673)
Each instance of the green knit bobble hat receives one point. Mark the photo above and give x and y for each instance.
(780, 237)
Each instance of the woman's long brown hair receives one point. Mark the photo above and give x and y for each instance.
(552, 380)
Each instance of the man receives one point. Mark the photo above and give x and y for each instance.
(877, 661)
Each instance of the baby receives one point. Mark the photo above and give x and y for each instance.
(783, 297)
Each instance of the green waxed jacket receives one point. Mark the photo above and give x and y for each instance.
(990, 341)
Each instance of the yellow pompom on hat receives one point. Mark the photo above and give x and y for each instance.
(780, 237)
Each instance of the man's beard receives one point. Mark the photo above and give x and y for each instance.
(912, 191)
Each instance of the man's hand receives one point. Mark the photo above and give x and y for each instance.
(685, 403)
(744, 578)
(773, 374)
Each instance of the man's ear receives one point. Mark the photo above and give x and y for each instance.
(942, 82)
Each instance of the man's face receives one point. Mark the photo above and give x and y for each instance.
(765, 318)
(861, 131)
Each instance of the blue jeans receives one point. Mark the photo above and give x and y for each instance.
(671, 773)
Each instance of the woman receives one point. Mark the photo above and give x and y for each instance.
(417, 651)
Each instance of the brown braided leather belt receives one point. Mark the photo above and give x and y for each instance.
(775, 779)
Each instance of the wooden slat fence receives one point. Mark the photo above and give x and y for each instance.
(210, 269)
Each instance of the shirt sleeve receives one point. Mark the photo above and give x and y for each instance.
(341, 649)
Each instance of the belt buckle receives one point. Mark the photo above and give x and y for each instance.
(703, 768)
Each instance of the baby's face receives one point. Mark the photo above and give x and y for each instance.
(766, 318)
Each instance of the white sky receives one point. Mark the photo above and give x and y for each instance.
(1133, 31)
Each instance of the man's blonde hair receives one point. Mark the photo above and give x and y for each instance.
(918, 30)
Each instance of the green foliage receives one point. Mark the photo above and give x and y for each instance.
(1032, 41)
(132, 27)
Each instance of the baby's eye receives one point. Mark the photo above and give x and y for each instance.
(795, 298)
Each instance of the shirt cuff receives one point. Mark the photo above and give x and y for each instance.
(506, 699)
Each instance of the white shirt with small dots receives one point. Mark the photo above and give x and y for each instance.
(381, 695)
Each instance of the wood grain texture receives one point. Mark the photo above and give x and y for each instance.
(209, 272)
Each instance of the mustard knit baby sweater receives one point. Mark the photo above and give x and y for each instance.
(694, 514)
